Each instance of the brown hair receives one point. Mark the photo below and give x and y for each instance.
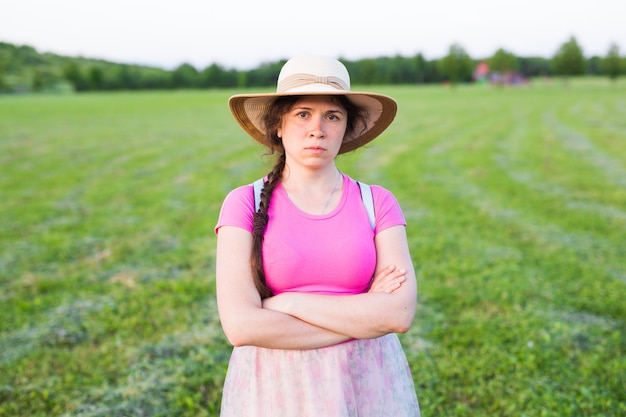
(272, 120)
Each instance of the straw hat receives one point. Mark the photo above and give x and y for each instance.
(315, 75)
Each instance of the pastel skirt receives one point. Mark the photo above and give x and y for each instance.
(364, 378)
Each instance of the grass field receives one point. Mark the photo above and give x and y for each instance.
(516, 203)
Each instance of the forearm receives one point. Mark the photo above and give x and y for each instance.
(272, 329)
(360, 316)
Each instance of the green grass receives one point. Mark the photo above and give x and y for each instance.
(516, 203)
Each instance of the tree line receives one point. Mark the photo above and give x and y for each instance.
(24, 69)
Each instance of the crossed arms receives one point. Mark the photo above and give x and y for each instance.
(306, 321)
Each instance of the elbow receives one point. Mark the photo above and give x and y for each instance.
(235, 334)
(398, 318)
(395, 325)
(404, 320)
(236, 339)
(239, 329)
(236, 342)
(403, 328)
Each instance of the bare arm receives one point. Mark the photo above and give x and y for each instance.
(366, 315)
(243, 318)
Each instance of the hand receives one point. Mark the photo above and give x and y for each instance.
(388, 280)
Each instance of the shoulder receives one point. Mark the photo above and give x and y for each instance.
(386, 208)
(239, 199)
(382, 196)
(384, 199)
(241, 194)
(381, 192)
(237, 208)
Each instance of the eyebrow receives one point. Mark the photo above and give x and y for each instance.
(332, 110)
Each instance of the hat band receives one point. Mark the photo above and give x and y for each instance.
(299, 80)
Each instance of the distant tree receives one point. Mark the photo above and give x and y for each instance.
(420, 68)
(457, 66)
(112, 79)
(432, 72)
(95, 77)
(569, 60)
(230, 78)
(126, 77)
(5, 59)
(594, 66)
(38, 80)
(43, 78)
(73, 73)
(405, 71)
(612, 63)
(120, 77)
(153, 78)
(368, 72)
(185, 76)
(215, 76)
(503, 61)
(535, 67)
(242, 79)
(27, 55)
(386, 71)
(263, 76)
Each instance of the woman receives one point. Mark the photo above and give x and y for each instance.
(308, 293)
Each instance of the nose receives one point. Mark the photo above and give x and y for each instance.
(317, 128)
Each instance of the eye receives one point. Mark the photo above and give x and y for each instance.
(302, 114)
(333, 117)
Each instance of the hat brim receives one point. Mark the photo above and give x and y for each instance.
(248, 110)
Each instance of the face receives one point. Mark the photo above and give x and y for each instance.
(312, 131)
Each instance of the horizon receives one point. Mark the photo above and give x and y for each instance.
(248, 34)
(483, 58)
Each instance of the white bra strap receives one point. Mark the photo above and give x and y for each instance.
(258, 187)
(368, 202)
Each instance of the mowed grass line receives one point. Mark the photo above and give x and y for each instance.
(516, 211)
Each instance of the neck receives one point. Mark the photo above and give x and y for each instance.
(315, 194)
(310, 179)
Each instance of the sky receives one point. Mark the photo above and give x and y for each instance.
(242, 34)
